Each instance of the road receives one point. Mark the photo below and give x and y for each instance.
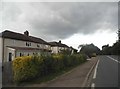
(106, 72)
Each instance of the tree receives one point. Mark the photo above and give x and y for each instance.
(90, 49)
(106, 50)
(114, 49)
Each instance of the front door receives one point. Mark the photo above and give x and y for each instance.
(10, 57)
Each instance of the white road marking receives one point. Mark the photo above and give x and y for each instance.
(92, 85)
(95, 73)
(113, 59)
(94, 76)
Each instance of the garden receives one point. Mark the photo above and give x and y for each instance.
(28, 68)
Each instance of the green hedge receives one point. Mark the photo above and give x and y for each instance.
(29, 67)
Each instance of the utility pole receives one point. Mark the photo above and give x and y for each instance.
(118, 35)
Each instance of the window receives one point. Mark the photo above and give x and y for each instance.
(38, 45)
(30, 44)
(26, 43)
(20, 54)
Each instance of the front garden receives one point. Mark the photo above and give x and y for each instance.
(29, 68)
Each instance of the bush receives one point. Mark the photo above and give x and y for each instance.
(29, 67)
(25, 68)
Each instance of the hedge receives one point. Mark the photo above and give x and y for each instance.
(29, 67)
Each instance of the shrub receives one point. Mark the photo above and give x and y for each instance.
(25, 68)
(29, 67)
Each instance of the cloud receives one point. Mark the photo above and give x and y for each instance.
(60, 20)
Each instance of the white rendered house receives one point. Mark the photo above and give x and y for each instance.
(16, 44)
(57, 47)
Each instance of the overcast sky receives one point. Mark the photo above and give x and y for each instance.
(73, 23)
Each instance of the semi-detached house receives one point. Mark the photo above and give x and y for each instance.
(57, 47)
(14, 44)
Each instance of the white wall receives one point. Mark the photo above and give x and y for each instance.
(10, 50)
(1, 46)
(55, 49)
(26, 52)
(19, 43)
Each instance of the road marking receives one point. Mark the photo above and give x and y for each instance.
(113, 59)
(95, 73)
(92, 85)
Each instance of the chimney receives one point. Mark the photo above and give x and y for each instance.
(60, 41)
(26, 33)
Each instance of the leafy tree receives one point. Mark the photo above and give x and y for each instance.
(89, 49)
(114, 49)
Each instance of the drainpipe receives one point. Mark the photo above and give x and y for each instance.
(2, 53)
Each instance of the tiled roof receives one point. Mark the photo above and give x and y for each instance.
(58, 44)
(19, 36)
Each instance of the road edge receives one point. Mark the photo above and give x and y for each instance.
(88, 74)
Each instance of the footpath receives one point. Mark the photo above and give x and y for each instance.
(77, 77)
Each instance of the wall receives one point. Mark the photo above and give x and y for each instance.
(18, 43)
(26, 52)
(54, 49)
(1, 46)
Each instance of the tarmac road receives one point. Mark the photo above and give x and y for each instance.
(106, 72)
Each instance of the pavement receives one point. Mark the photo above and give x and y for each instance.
(77, 77)
(106, 72)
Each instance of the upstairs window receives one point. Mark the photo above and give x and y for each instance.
(28, 44)
(38, 45)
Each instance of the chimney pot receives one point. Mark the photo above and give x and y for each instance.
(26, 33)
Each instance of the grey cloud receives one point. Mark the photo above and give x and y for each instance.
(62, 20)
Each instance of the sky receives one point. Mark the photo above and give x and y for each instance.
(73, 23)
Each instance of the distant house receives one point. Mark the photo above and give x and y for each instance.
(14, 44)
(73, 50)
(58, 47)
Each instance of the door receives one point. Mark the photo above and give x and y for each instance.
(10, 57)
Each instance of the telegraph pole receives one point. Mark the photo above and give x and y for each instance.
(118, 35)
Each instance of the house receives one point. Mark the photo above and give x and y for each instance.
(73, 50)
(14, 44)
(58, 47)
